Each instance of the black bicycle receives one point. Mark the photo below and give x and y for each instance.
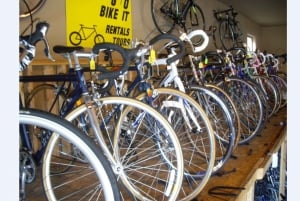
(168, 13)
(230, 33)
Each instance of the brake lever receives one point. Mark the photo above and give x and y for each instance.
(47, 50)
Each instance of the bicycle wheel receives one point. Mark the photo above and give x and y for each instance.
(271, 92)
(249, 106)
(282, 86)
(146, 151)
(194, 132)
(29, 7)
(49, 92)
(221, 121)
(162, 15)
(226, 35)
(232, 108)
(89, 179)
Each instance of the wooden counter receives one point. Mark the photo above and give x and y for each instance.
(250, 163)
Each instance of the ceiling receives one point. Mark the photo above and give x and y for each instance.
(262, 12)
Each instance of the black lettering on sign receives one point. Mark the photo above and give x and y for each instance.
(113, 2)
(125, 15)
(110, 29)
(121, 41)
(126, 2)
(109, 12)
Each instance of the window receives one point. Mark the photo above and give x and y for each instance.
(251, 43)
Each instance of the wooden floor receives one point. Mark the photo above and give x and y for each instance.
(237, 172)
(247, 160)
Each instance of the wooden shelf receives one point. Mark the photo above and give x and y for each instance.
(250, 163)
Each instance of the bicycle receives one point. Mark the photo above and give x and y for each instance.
(206, 99)
(246, 95)
(86, 164)
(185, 115)
(256, 70)
(230, 33)
(195, 77)
(127, 131)
(168, 13)
(76, 37)
(271, 70)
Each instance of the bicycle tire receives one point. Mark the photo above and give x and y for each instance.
(233, 110)
(226, 35)
(29, 7)
(129, 147)
(199, 154)
(96, 166)
(249, 106)
(48, 92)
(221, 120)
(271, 92)
(282, 86)
(162, 16)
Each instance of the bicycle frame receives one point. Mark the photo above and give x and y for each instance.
(76, 77)
(72, 76)
(177, 17)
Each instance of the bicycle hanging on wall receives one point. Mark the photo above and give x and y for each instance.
(168, 13)
(230, 33)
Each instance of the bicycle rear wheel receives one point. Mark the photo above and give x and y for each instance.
(162, 15)
(53, 94)
(91, 178)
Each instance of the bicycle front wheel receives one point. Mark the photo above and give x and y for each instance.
(249, 106)
(90, 176)
(146, 151)
(282, 86)
(221, 121)
(271, 92)
(194, 132)
(162, 12)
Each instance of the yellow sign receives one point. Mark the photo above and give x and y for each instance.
(94, 21)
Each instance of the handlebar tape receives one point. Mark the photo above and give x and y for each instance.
(111, 46)
(175, 39)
